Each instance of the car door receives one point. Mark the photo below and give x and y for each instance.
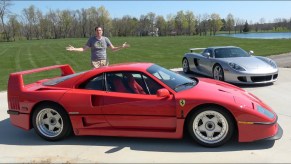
(84, 103)
(86, 98)
(127, 110)
(206, 62)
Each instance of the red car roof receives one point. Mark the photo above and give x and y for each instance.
(125, 66)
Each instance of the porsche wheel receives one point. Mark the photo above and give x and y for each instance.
(218, 73)
(185, 64)
(51, 122)
(211, 126)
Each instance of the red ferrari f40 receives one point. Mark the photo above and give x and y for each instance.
(138, 100)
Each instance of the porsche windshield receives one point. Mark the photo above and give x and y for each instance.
(173, 80)
(230, 52)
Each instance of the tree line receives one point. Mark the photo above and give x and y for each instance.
(55, 24)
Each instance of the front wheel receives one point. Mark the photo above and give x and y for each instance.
(51, 122)
(185, 64)
(211, 126)
(218, 73)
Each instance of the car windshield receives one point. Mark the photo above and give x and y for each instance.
(230, 53)
(60, 79)
(173, 80)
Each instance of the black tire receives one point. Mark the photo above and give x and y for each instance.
(211, 126)
(218, 73)
(51, 122)
(185, 65)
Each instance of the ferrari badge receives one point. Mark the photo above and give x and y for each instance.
(182, 102)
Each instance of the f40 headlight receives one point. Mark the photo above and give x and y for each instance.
(265, 112)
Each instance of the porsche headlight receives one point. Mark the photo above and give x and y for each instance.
(272, 63)
(236, 67)
(265, 112)
(269, 61)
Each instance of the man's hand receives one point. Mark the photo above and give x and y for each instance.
(125, 45)
(70, 48)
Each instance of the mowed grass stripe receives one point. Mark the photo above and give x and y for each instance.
(3, 52)
(82, 59)
(56, 51)
(31, 59)
(165, 51)
(7, 66)
(48, 57)
(17, 60)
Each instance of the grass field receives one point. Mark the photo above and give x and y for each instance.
(165, 51)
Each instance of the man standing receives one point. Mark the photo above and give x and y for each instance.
(98, 45)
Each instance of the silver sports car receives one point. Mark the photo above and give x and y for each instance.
(231, 64)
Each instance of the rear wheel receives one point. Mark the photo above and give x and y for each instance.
(218, 73)
(211, 126)
(51, 122)
(185, 65)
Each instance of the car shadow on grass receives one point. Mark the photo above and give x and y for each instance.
(11, 135)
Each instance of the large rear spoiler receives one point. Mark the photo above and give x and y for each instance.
(15, 83)
(195, 49)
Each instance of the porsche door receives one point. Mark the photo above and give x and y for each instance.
(205, 62)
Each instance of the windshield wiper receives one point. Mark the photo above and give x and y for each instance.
(184, 84)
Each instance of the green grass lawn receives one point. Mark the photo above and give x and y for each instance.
(165, 51)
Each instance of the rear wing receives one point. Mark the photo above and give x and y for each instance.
(196, 49)
(15, 82)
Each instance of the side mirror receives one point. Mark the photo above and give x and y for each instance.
(206, 54)
(251, 52)
(163, 92)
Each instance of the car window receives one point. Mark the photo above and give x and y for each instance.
(230, 53)
(126, 82)
(173, 80)
(95, 83)
(209, 51)
(151, 85)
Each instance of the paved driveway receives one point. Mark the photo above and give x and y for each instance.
(17, 145)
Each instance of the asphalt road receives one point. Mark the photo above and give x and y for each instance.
(19, 146)
(282, 60)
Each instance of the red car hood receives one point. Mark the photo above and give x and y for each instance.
(217, 91)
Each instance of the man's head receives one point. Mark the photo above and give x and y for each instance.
(98, 31)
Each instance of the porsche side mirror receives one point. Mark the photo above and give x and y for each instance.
(206, 54)
(251, 52)
(163, 92)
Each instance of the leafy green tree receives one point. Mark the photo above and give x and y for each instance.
(190, 18)
(215, 23)
(180, 22)
(104, 20)
(161, 24)
(229, 23)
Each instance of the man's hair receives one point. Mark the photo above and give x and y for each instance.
(98, 27)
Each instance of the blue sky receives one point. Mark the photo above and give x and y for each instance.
(252, 11)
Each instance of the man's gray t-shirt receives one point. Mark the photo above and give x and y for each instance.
(98, 47)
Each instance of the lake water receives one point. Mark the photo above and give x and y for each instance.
(275, 35)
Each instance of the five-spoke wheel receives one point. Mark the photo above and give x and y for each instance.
(51, 122)
(211, 126)
(218, 73)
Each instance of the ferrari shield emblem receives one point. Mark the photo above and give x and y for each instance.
(182, 102)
